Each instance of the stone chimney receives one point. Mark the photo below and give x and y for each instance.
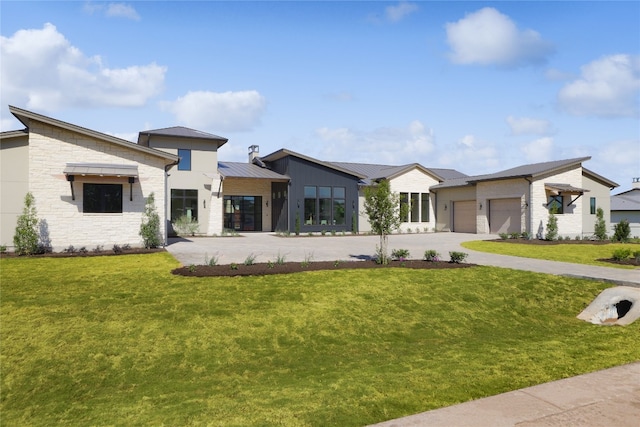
(635, 182)
(254, 151)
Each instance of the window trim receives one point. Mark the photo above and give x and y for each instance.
(101, 192)
(592, 205)
(185, 159)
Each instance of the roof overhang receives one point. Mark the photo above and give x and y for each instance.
(561, 189)
(101, 169)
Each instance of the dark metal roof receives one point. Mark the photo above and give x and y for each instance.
(525, 171)
(373, 172)
(248, 170)
(560, 188)
(602, 179)
(100, 169)
(183, 132)
(283, 152)
(627, 201)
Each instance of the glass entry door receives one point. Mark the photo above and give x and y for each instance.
(243, 213)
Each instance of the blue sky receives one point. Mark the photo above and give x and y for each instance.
(474, 86)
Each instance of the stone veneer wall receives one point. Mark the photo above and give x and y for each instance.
(50, 148)
(249, 187)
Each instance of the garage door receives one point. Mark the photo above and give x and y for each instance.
(504, 216)
(464, 217)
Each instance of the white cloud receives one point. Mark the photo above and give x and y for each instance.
(400, 11)
(528, 125)
(226, 111)
(488, 37)
(540, 150)
(390, 145)
(608, 87)
(112, 10)
(469, 155)
(622, 153)
(41, 70)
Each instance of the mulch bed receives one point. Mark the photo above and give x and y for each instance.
(262, 269)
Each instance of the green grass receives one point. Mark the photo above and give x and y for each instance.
(578, 254)
(120, 341)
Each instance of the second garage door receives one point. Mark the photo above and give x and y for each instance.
(464, 216)
(504, 216)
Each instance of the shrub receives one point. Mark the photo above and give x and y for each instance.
(26, 238)
(250, 259)
(98, 249)
(150, 226)
(233, 266)
(3, 249)
(280, 259)
(526, 235)
(297, 225)
(400, 254)
(185, 226)
(210, 261)
(621, 254)
(600, 228)
(503, 236)
(69, 249)
(514, 235)
(431, 255)
(636, 256)
(457, 257)
(552, 225)
(117, 249)
(622, 231)
(307, 260)
(192, 268)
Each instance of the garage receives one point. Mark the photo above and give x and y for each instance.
(504, 216)
(464, 216)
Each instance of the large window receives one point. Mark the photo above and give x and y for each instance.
(592, 205)
(185, 159)
(415, 207)
(184, 203)
(556, 204)
(404, 207)
(324, 205)
(425, 207)
(102, 198)
(243, 213)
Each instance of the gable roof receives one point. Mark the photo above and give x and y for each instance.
(248, 170)
(283, 152)
(26, 117)
(374, 172)
(181, 132)
(604, 181)
(627, 201)
(533, 170)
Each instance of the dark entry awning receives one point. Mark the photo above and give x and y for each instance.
(101, 169)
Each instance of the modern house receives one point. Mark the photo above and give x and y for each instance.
(626, 205)
(90, 188)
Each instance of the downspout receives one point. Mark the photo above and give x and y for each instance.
(528, 204)
(166, 203)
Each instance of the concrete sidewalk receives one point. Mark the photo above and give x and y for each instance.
(601, 399)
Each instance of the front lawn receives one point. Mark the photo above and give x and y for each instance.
(578, 254)
(122, 341)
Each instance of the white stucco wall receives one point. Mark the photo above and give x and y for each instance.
(444, 199)
(250, 187)
(416, 181)
(500, 189)
(14, 184)
(602, 195)
(50, 148)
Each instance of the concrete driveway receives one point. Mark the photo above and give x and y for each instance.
(268, 246)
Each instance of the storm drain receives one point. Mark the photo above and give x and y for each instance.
(614, 306)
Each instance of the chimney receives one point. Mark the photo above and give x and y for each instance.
(254, 151)
(635, 182)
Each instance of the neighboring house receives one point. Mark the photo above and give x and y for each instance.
(90, 188)
(626, 205)
(519, 200)
(192, 186)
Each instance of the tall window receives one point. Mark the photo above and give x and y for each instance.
(557, 203)
(310, 216)
(425, 207)
(243, 213)
(339, 206)
(102, 198)
(415, 207)
(185, 159)
(404, 201)
(324, 205)
(184, 202)
(592, 205)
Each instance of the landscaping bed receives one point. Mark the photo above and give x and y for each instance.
(85, 253)
(261, 269)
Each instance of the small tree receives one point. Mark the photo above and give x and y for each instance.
(384, 212)
(150, 227)
(26, 238)
(600, 229)
(622, 231)
(552, 225)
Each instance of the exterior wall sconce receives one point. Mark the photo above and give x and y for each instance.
(353, 204)
(480, 205)
(298, 203)
(131, 181)
(445, 207)
(267, 203)
(204, 203)
(526, 204)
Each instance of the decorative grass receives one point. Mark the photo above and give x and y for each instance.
(121, 341)
(578, 254)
